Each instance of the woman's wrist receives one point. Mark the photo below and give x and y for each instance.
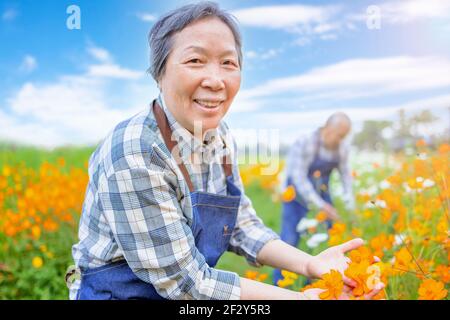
(305, 268)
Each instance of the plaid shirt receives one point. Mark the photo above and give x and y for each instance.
(301, 156)
(137, 207)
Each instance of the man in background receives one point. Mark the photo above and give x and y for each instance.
(310, 163)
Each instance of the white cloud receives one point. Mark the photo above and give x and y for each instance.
(329, 21)
(284, 16)
(28, 64)
(408, 10)
(147, 17)
(107, 68)
(262, 54)
(114, 71)
(361, 78)
(304, 20)
(75, 109)
(99, 54)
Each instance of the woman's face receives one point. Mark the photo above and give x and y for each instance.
(202, 74)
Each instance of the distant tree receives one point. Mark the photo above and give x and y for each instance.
(422, 118)
(371, 135)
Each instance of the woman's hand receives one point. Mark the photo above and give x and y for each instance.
(333, 258)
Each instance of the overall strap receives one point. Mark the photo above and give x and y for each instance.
(166, 132)
(317, 144)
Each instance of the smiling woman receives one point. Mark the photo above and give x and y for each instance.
(154, 221)
(202, 75)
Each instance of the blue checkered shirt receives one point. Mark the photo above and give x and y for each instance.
(137, 207)
(299, 159)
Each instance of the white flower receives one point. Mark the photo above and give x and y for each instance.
(380, 204)
(419, 179)
(398, 239)
(407, 188)
(409, 151)
(371, 191)
(428, 183)
(305, 224)
(316, 239)
(422, 156)
(384, 184)
(370, 205)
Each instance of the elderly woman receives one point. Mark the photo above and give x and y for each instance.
(165, 199)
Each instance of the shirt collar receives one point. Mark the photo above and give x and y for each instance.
(187, 142)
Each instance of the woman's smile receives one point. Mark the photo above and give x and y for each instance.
(208, 106)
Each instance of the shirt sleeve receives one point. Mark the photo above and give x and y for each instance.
(249, 234)
(142, 207)
(300, 158)
(346, 175)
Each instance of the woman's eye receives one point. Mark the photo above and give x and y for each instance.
(195, 60)
(230, 63)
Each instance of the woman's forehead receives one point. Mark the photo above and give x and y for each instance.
(208, 33)
(204, 49)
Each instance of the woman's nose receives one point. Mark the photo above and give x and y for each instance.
(213, 80)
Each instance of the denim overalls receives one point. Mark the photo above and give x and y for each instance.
(214, 218)
(296, 209)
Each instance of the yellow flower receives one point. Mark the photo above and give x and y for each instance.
(7, 171)
(37, 262)
(289, 275)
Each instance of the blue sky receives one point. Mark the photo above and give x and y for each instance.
(303, 60)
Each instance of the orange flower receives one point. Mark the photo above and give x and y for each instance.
(288, 194)
(444, 148)
(421, 143)
(432, 290)
(250, 274)
(262, 277)
(443, 272)
(332, 283)
(403, 261)
(338, 228)
(361, 254)
(321, 216)
(358, 272)
(380, 243)
(255, 275)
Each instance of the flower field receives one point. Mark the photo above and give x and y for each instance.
(402, 212)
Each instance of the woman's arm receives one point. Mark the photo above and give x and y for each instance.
(281, 255)
(254, 290)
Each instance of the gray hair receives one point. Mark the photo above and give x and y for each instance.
(160, 36)
(338, 119)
